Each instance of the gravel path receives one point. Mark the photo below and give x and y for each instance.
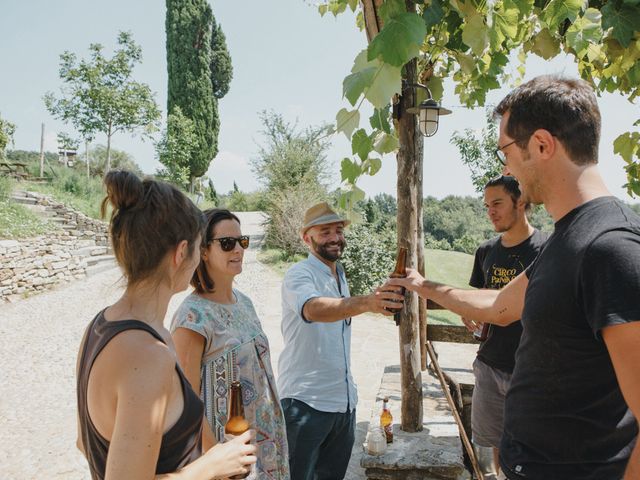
(39, 338)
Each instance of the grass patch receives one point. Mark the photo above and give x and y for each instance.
(451, 268)
(87, 201)
(17, 222)
(277, 260)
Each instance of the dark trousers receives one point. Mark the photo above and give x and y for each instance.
(320, 443)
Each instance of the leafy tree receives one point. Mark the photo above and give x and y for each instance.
(99, 95)
(189, 27)
(472, 43)
(221, 67)
(291, 156)
(293, 167)
(176, 148)
(67, 142)
(7, 129)
(477, 151)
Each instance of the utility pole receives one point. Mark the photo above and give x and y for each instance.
(86, 157)
(42, 151)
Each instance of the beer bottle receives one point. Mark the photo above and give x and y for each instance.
(481, 334)
(400, 272)
(386, 420)
(236, 423)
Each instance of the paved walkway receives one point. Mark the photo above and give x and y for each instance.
(39, 338)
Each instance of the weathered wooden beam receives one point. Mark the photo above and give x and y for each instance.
(372, 21)
(450, 333)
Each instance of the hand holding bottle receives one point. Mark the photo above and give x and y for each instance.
(234, 457)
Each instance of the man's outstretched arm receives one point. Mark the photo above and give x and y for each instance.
(500, 307)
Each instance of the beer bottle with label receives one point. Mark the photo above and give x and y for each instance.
(400, 272)
(386, 420)
(481, 334)
(236, 423)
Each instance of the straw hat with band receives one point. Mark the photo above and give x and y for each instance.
(321, 214)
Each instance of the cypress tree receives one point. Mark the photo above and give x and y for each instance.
(188, 25)
(221, 67)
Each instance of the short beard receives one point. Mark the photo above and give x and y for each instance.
(321, 249)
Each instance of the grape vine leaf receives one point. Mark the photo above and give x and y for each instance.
(347, 121)
(399, 40)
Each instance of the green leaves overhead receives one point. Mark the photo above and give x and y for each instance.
(399, 40)
(475, 33)
(473, 44)
(545, 45)
(505, 23)
(627, 146)
(349, 170)
(380, 119)
(385, 143)
(432, 14)
(376, 80)
(585, 31)
(361, 144)
(623, 21)
(557, 11)
(347, 121)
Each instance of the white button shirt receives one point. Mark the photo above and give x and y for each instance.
(315, 364)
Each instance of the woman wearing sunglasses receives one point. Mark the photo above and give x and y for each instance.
(219, 340)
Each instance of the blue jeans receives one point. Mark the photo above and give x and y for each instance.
(320, 443)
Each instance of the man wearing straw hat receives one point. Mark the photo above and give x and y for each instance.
(315, 383)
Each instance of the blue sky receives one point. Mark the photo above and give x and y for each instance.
(286, 58)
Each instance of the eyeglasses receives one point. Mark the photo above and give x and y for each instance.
(500, 154)
(229, 243)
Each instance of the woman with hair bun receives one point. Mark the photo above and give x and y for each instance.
(219, 340)
(138, 417)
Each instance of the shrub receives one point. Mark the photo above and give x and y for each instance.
(286, 214)
(369, 257)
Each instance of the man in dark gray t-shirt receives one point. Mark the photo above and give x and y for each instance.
(572, 409)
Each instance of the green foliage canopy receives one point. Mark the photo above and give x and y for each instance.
(177, 147)
(221, 66)
(189, 27)
(472, 42)
(99, 95)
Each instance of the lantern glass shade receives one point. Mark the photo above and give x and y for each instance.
(428, 121)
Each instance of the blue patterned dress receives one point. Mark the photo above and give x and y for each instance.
(236, 348)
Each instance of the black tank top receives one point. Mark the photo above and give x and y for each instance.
(180, 445)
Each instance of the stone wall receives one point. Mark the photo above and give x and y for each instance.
(35, 264)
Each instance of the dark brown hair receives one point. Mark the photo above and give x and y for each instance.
(565, 107)
(149, 218)
(201, 280)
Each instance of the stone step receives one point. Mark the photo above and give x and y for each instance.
(84, 251)
(98, 259)
(40, 210)
(100, 267)
(23, 200)
(99, 250)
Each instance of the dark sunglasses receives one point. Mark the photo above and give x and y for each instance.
(229, 243)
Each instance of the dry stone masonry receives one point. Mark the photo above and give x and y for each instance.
(78, 247)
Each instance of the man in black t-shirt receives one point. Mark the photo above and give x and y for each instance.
(572, 409)
(497, 262)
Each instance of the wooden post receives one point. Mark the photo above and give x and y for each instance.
(410, 142)
(42, 151)
(409, 188)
